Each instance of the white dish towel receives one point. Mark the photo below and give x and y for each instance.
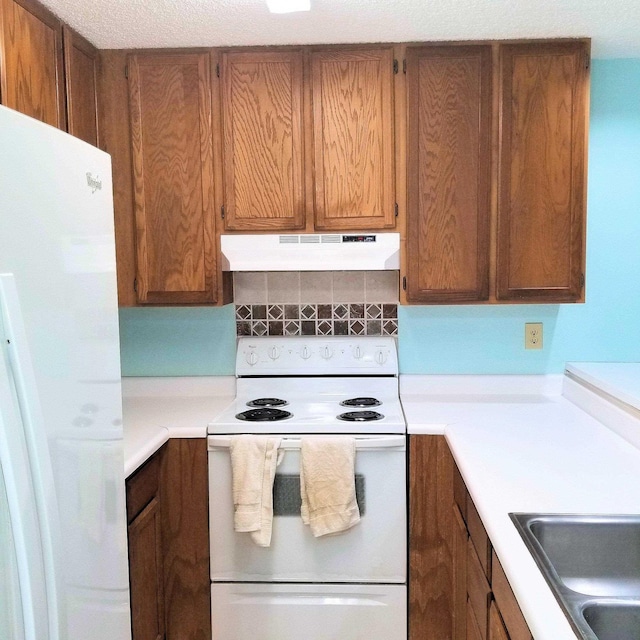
(327, 484)
(253, 465)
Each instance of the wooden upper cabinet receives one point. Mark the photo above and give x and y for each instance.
(264, 182)
(542, 190)
(449, 173)
(353, 138)
(81, 72)
(31, 67)
(170, 104)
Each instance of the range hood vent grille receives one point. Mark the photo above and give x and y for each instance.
(311, 252)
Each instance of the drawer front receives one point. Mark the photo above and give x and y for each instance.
(507, 603)
(479, 537)
(142, 487)
(478, 589)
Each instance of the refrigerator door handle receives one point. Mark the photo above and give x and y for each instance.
(18, 373)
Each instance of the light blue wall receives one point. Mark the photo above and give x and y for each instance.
(177, 341)
(475, 339)
(472, 339)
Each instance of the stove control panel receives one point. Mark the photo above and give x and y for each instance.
(312, 356)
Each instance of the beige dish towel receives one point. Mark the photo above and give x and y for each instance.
(327, 484)
(253, 464)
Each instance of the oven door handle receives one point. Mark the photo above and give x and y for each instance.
(396, 443)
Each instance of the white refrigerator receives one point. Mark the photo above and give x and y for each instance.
(63, 545)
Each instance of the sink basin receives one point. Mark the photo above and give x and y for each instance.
(592, 564)
(615, 621)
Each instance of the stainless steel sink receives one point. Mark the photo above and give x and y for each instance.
(614, 620)
(592, 564)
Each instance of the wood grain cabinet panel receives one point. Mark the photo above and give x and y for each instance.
(460, 542)
(170, 103)
(496, 626)
(542, 197)
(31, 63)
(353, 138)
(81, 73)
(264, 182)
(146, 568)
(431, 541)
(449, 173)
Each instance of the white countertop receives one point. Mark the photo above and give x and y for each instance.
(618, 379)
(156, 409)
(520, 444)
(530, 453)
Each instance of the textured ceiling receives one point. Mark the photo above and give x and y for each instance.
(614, 26)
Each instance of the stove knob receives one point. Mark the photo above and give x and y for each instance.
(252, 358)
(381, 357)
(274, 353)
(357, 353)
(305, 354)
(326, 353)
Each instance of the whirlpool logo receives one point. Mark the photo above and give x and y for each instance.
(95, 184)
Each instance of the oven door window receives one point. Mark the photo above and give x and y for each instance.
(374, 550)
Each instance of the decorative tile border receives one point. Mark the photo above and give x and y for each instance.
(342, 319)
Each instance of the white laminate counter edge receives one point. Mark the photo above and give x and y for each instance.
(136, 454)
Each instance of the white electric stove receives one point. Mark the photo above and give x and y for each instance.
(348, 586)
(314, 385)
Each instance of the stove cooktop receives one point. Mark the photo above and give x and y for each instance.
(313, 406)
(327, 384)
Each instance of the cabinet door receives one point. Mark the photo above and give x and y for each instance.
(449, 173)
(460, 541)
(353, 138)
(263, 140)
(146, 574)
(431, 539)
(31, 72)
(541, 206)
(496, 626)
(80, 62)
(170, 103)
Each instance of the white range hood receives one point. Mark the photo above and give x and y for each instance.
(311, 252)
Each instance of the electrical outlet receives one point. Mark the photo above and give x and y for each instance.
(533, 335)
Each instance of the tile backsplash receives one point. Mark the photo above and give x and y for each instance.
(316, 303)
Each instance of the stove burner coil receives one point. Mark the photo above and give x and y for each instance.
(263, 415)
(361, 402)
(360, 416)
(267, 402)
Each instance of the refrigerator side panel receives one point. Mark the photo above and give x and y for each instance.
(57, 239)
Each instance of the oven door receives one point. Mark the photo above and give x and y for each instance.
(374, 550)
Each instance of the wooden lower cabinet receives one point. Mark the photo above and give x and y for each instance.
(457, 587)
(497, 630)
(146, 572)
(167, 514)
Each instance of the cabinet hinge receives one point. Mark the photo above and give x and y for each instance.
(222, 212)
(404, 66)
(582, 280)
(135, 285)
(218, 69)
(395, 66)
(587, 60)
(396, 209)
(404, 283)
(126, 71)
